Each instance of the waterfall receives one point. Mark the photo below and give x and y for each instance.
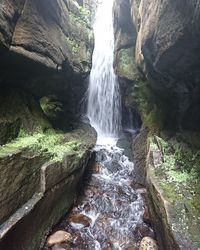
(104, 100)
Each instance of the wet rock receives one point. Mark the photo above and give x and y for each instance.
(101, 155)
(61, 247)
(58, 237)
(116, 156)
(96, 168)
(113, 166)
(80, 219)
(141, 190)
(107, 246)
(148, 243)
(144, 231)
(91, 191)
(146, 215)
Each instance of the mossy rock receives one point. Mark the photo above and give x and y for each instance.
(19, 111)
(51, 107)
(125, 66)
(175, 179)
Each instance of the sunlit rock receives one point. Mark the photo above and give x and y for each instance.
(148, 243)
(58, 237)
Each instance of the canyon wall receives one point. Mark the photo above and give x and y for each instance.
(157, 44)
(46, 51)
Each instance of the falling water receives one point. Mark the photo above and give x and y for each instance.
(104, 104)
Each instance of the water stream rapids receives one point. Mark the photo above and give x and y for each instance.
(112, 210)
(108, 215)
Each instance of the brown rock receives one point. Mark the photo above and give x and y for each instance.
(148, 243)
(58, 237)
(141, 190)
(146, 215)
(80, 219)
(96, 168)
(63, 246)
(144, 231)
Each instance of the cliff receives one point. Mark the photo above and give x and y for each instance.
(46, 49)
(157, 44)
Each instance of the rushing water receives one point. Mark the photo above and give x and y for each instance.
(104, 104)
(109, 213)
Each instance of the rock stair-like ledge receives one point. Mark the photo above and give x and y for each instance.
(39, 203)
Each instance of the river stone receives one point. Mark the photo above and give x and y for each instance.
(148, 243)
(146, 215)
(62, 246)
(80, 219)
(58, 237)
(143, 230)
(101, 155)
(96, 168)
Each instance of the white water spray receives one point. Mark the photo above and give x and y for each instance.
(104, 101)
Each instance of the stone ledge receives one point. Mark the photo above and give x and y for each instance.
(53, 189)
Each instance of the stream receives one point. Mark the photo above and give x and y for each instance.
(109, 213)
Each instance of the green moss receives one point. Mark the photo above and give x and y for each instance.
(178, 178)
(180, 160)
(85, 13)
(150, 107)
(169, 192)
(51, 143)
(125, 64)
(126, 60)
(73, 45)
(79, 20)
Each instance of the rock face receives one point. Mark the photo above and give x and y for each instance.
(44, 183)
(125, 38)
(166, 48)
(19, 111)
(64, 34)
(165, 44)
(124, 64)
(46, 49)
(166, 88)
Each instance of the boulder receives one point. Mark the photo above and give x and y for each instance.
(58, 237)
(148, 243)
(79, 219)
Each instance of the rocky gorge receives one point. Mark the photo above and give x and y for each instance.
(46, 52)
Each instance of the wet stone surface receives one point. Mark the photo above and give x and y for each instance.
(110, 212)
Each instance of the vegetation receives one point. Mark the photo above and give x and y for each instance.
(51, 143)
(150, 111)
(80, 20)
(73, 45)
(180, 161)
(177, 173)
(85, 13)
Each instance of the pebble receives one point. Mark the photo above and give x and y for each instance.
(146, 216)
(148, 243)
(58, 237)
(80, 219)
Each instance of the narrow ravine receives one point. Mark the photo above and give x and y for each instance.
(109, 214)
